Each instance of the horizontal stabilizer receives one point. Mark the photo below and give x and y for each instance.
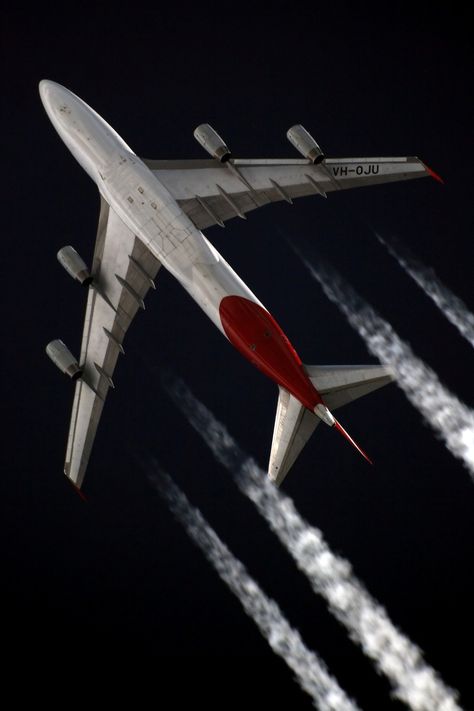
(341, 384)
(294, 425)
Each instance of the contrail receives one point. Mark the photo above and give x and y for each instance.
(310, 670)
(413, 681)
(451, 306)
(448, 416)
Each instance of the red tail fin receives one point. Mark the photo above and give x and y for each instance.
(345, 434)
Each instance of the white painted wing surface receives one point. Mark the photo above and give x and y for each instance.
(211, 192)
(123, 270)
(340, 384)
(294, 425)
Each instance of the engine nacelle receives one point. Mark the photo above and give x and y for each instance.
(74, 265)
(212, 142)
(305, 143)
(63, 359)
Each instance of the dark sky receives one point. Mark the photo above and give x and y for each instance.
(116, 578)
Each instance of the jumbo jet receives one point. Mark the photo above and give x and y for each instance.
(152, 213)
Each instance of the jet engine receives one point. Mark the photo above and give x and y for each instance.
(63, 359)
(74, 265)
(305, 143)
(212, 142)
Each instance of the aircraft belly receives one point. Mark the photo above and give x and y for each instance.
(149, 210)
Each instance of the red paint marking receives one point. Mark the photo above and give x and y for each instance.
(433, 174)
(345, 434)
(258, 337)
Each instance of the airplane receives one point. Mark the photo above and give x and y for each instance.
(152, 213)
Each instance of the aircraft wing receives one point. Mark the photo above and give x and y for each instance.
(294, 425)
(123, 270)
(211, 192)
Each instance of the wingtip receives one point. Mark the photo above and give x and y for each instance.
(433, 174)
(81, 495)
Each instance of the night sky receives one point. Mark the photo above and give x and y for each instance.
(113, 587)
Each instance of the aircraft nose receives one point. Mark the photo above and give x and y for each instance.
(54, 96)
(89, 138)
(45, 87)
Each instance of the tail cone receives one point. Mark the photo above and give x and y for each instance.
(345, 434)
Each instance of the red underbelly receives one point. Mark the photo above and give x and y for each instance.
(256, 334)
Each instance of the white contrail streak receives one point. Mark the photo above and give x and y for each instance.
(451, 419)
(413, 681)
(448, 303)
(310, 670)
